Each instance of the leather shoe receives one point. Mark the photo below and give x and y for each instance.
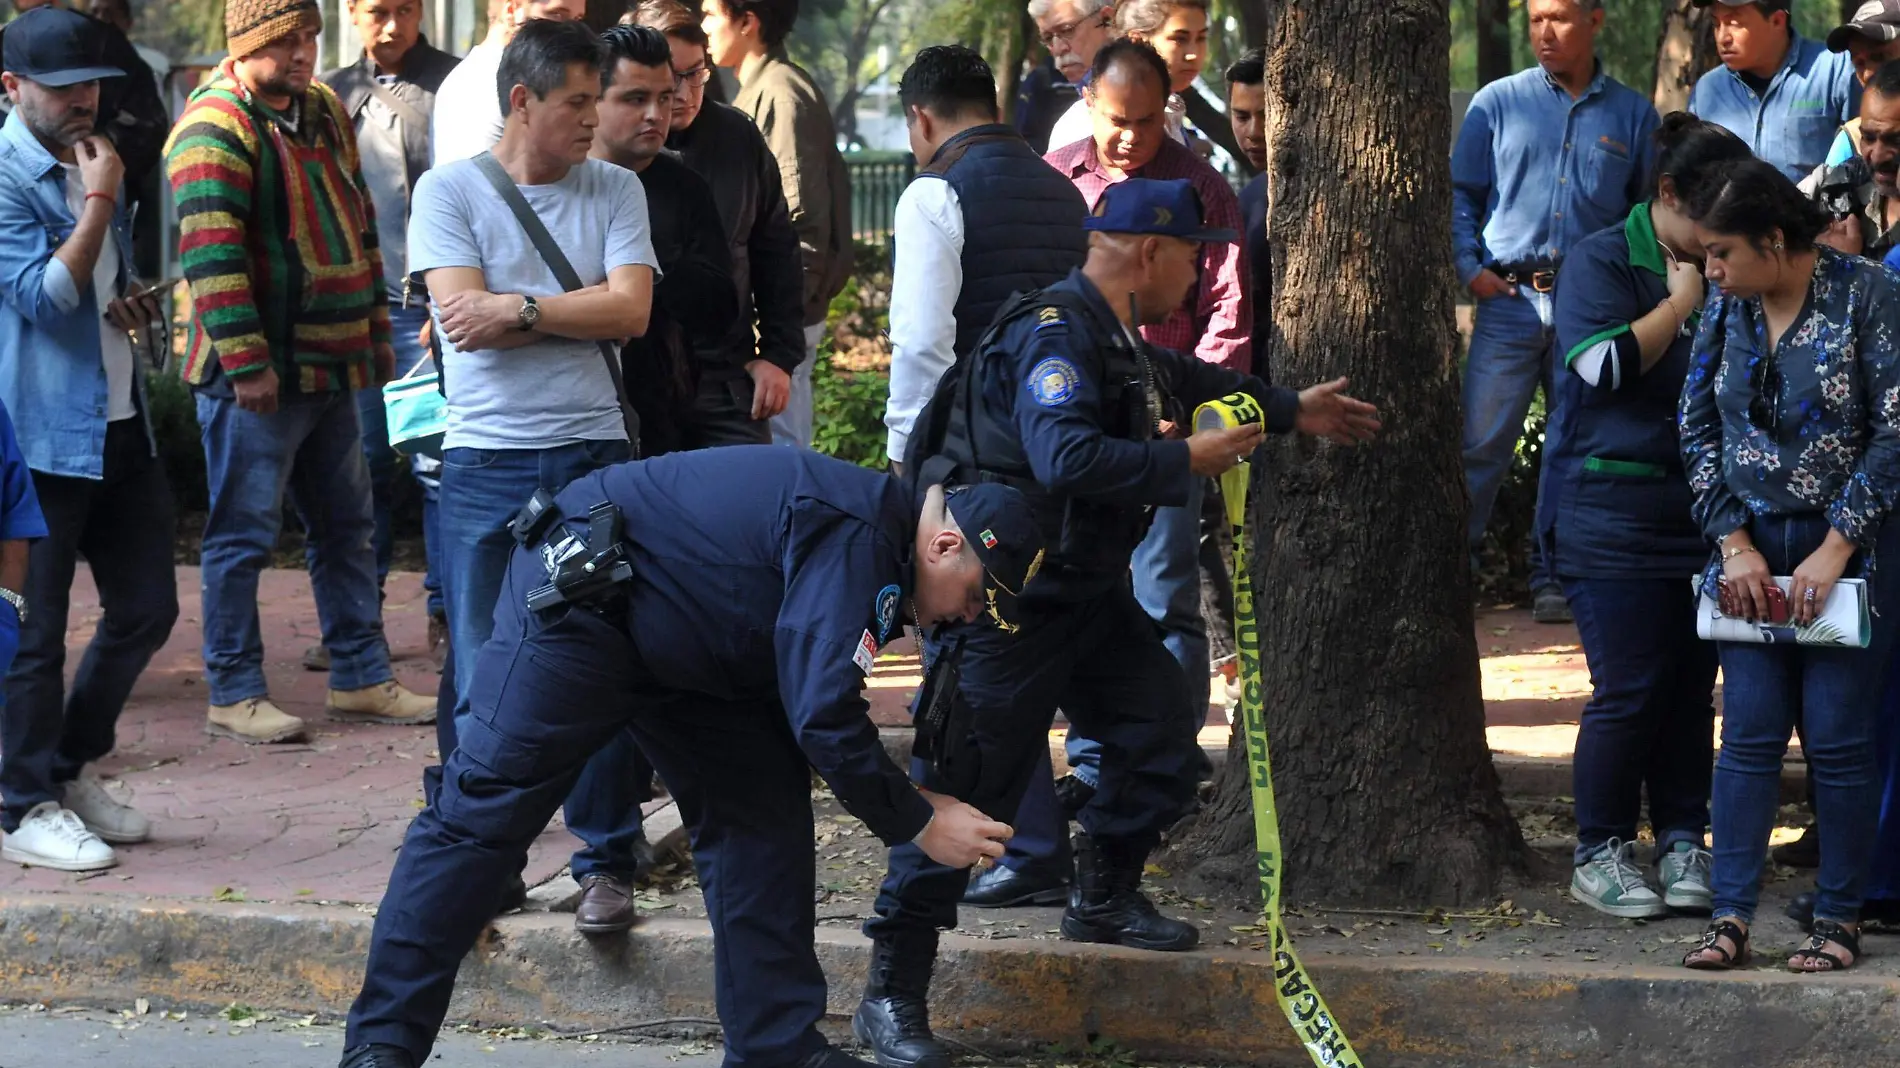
(1880, 912)
(377, 1057)
(514, 894)
(606, 906)
(1072, 793)
(1004, 887)
(833, 1057)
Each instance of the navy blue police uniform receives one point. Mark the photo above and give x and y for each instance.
(1058, 401)
(762, 582)
(1617, 525)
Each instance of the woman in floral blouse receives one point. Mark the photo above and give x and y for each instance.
(1790, 427)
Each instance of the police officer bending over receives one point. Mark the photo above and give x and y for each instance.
(725, 606)
(1061, 400)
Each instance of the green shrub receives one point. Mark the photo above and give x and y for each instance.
(180, 448)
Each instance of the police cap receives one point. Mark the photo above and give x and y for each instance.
(1001, 528)
(1169, 208)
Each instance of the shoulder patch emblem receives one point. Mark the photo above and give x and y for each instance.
(1053, 381)
(887, 599)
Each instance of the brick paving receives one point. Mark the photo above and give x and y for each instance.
(322, 820)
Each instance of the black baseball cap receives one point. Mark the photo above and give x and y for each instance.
(1876, 20)
(1001, 527)
(56, 48)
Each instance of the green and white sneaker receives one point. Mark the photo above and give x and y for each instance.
(1611, 883)
(1684, 874)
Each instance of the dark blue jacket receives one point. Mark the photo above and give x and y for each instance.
(1022, 221)
(758, 573)
(1617, 502)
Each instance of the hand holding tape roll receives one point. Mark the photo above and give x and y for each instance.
(1225, 433)
(1312, 1021)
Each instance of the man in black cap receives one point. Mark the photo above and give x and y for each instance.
(1860, 181)
(72, 334)
(1060, 399)
(725, 606)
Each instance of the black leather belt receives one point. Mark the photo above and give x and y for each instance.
(1541, 278)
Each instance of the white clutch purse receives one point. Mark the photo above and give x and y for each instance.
(1843, 621)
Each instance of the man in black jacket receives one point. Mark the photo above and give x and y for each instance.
(390, 94)
(694, 302)
(745, 379)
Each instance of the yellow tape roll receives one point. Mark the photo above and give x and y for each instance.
(1313, 1023)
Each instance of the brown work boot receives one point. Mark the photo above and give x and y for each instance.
(253, 721)
(385, 702)
(606, 906)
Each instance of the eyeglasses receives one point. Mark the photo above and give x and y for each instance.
(1764, 408)
(698, 76)
(1066, 33)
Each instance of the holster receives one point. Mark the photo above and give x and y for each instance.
(946, 736)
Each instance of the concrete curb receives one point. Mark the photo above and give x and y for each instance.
(996, 995)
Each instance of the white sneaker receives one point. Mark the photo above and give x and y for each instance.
(103, 814)
(51, 837)
(1610, 883)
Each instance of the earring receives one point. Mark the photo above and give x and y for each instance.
(1777, 246)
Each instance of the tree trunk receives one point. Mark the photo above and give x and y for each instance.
(1494, 40)
(1685, 51)
(1385, 785)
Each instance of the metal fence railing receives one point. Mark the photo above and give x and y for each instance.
(877, 180)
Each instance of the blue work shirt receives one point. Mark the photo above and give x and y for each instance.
(20, 518)
(1044, 377)
(1535, 171)
(1794, 121)
(50, 357)
(1616, 501)
(772, 574)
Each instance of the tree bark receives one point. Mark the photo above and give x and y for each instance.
(1685, 51)
(1493, 18)
(1385, 784)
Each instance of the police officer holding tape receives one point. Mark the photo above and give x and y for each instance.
(725, 606)
(1061, 400)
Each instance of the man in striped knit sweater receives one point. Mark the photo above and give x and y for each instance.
(289, 315)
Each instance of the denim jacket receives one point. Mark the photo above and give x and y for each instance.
(51, 372)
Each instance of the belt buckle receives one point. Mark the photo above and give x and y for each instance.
(1544, 281)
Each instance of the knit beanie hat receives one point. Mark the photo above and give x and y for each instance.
(251, 24)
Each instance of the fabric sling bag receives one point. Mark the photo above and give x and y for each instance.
(563, 272)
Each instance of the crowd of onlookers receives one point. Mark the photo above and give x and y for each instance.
(596, 260)
(1718, 347)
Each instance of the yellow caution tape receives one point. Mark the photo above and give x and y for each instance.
(1314, 1024)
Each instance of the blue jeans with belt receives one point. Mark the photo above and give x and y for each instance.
(1510, 351)
(482, 489)
(1835, 694)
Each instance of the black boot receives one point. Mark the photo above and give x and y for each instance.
(893, 1020)
(1106, 903)
(377, 1057)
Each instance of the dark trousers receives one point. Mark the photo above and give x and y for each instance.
(722, 415)
(548, 690)
(1651, 717)
(1104, 663)
(123, 524)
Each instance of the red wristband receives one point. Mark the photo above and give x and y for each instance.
(104, 196)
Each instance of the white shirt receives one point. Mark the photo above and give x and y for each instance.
(115, 348)
(925, 282)
(468, 118)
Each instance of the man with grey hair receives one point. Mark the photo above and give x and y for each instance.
(1073, 31)
(1545, 158)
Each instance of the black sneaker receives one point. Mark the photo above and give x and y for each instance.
(377, 1057)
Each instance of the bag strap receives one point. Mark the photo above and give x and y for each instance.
(405, 111)
(563, 272)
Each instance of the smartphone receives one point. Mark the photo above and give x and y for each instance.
(1777, 603)
(156, 288)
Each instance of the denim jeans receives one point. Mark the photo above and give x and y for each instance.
(385, 466)
(482, 489)
(1835, 693)
(793, 426)
(123, 524)
(1167, 574)
(1510, 342)
(1651, 713)
(312, 447)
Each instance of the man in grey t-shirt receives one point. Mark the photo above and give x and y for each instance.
(531, 403)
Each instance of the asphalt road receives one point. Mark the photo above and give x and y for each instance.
(59, 1039)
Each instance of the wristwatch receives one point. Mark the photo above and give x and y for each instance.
(18, 602)
(529, 315)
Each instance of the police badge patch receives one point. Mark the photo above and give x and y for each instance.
(887, 599)
(1052, 381)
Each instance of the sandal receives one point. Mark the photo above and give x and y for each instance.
(1712, 940)
(1815, 952)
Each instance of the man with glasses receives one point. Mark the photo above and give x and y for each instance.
(745, 378)
(1073, 31)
